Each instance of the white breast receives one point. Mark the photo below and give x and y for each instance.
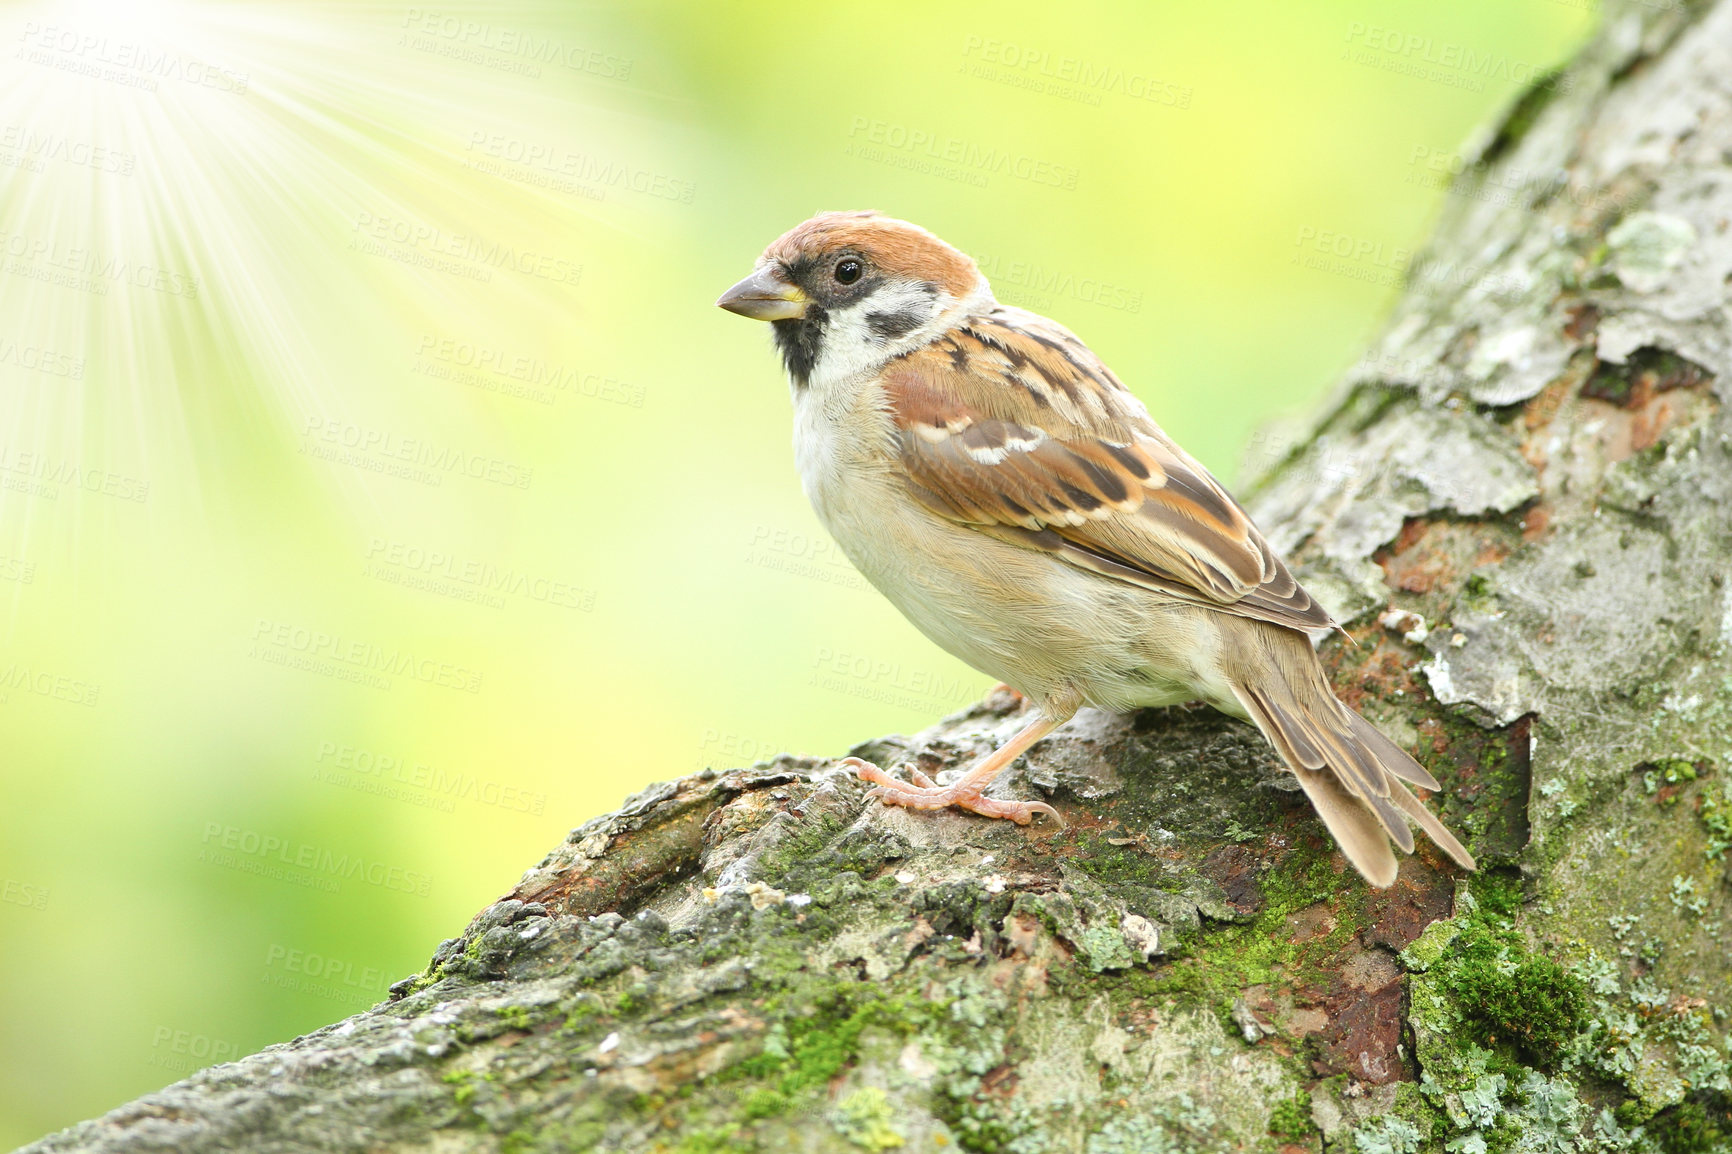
(1015, 613)
(833, 431)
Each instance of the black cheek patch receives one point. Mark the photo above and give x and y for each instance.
(889, 326)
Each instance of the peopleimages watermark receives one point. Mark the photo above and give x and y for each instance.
(413, 458)
(17, 893)
(46, 259)
(808, 555)
(506, 49)
(1440, 61)
(423, 245)
(468, 579)
(417, 783)
(888, 682)
(303, 863)
(17, 569)
(1066, 77)
(36, 147)
(1375, 262)
(1355, 257)
(350, 659)
(933, 153)
(182, 1051)
(724, 748)
(322, 976)
(1508, 184)
(34, 358)
(518, 374)
(1034, 286)
(125, 62)
(553, 166)
(20, 678)
(38, 474)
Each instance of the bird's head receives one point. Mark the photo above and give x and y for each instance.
(845, 291)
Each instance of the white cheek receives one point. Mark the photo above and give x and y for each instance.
(848, 348)
(852, 347)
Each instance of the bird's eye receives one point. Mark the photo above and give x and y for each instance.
(848, 270)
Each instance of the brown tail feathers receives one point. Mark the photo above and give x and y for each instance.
(1351, 772)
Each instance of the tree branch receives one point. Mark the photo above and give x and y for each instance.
(1518, 504)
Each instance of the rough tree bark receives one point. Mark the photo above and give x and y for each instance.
(1519, 502)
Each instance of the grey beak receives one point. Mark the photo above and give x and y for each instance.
(765, 296)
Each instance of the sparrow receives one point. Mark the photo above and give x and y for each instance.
(998, 483)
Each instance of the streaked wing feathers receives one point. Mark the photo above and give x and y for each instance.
(1011, 425)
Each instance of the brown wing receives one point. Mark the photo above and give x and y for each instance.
(1011, 425)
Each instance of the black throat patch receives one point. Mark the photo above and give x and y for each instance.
(800, 341)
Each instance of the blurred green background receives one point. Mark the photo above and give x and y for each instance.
(381, 496)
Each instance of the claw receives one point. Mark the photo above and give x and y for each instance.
(924, 793)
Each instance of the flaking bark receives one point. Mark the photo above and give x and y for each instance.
(1520, 504)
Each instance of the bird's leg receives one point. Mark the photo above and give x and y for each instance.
(968, 791)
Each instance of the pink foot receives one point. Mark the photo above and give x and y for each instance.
(925, 793)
